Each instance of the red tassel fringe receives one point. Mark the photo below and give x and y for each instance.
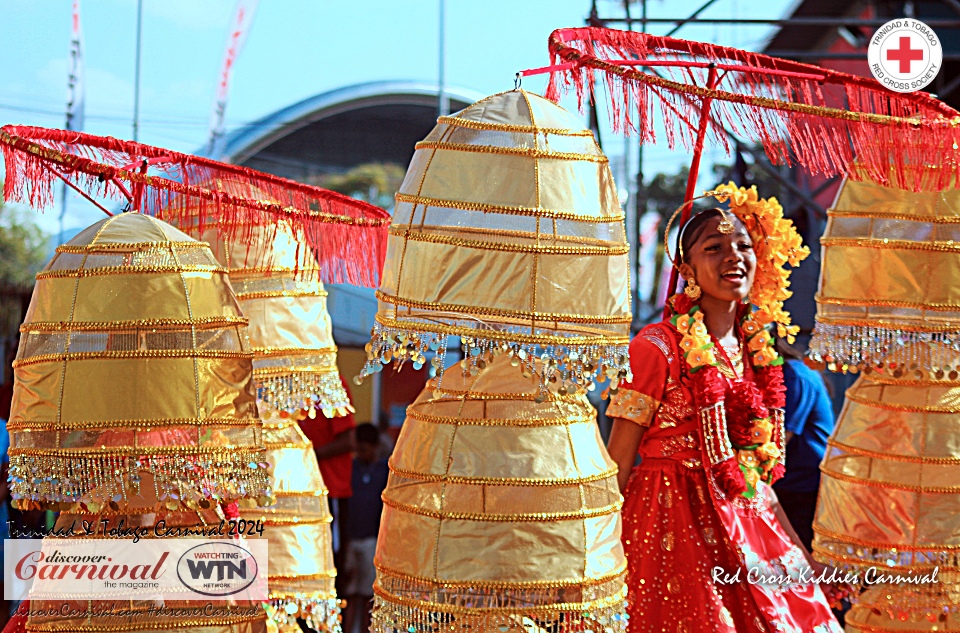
(827, 121)
(347, 236)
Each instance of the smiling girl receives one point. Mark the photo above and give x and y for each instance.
(704, 411)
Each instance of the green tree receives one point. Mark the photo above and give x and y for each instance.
(23, 246)
(375, 183)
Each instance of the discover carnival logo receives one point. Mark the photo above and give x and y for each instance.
(905, 55)
(91, 569)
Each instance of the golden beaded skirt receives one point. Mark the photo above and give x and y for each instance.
(888, 281)
(501, 513)
(301, 574)
(889, 498)
(510, 211)
(133, 361)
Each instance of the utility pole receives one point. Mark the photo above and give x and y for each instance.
(136, 76)
(444, 105)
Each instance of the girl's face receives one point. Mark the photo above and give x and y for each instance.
(722, 265)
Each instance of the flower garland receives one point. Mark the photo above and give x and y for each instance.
(741, 436)
(776, 243)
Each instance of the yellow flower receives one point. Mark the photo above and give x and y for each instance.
(683, 323)
(759, 341)
(700, 358)
(767, 451)
(765, 356)
(699, 329)
(761, 431)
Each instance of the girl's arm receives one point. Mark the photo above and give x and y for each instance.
(624, 441)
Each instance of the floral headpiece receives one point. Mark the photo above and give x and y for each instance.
(776, 243)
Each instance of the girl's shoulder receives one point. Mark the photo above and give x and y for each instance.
(661, 336)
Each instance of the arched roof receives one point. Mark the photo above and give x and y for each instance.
(333, 131)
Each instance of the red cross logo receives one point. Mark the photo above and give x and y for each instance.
(905, 54)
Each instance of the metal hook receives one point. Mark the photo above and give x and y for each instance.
(517, 81)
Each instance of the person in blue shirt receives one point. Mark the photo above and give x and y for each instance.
(808, 421)
(370, 474)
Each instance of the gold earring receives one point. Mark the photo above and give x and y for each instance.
(692, 290)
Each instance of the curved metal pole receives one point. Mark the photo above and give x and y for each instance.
(691, 191)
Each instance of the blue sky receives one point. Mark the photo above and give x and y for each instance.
(296, 48)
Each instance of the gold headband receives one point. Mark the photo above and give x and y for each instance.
(725, 227)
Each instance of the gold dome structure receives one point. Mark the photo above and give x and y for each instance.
(501, 509)
(887, 308)
(133, 361)
(508, 233)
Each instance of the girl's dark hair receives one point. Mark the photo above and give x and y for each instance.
(692, 230)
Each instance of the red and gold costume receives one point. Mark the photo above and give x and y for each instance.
(679, 526)
(705, 551)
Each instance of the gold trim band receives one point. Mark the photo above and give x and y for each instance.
(526, 423)
(128, 354)
(431, 607)
(874, 215)
(108, 247)
(519, 314)
(110, 326)
(910, 459)
(488, 584)
(494, 335)
(507, 247)
(887, 303)
(513, 151)
(127, 270)
(889, 244)
(500, 481)
(505, 518)
(143, 425)
(506, 127)
(229, 450)
(549, 214)
(888, 485)
(906, 547)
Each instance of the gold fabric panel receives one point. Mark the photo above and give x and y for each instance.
(508, 490)
(891, 477)
(134, 389)
(570, 286)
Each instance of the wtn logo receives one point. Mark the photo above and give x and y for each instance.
(218, 568)
(224, 568)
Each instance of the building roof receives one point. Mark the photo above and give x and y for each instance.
(333, 131)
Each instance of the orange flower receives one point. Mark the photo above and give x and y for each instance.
(701, 358)
(688, 343)
(683, 323)
(767, 451)
(750, 327)
(761, 431)
(765, 356)
(759, 341)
